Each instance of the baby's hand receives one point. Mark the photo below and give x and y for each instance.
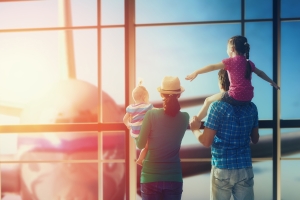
(191, 77)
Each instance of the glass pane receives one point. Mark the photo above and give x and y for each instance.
(264, 147)
(263, 181)
(290, 8)
(36, 87)
(29, 14)
(49, 181)
(49, 146)
(30, 62)
(112, 74)
(290, 139)
(114, 181)
(84, 13)
(112, 12)
(157, 11)
(261, 45)
(47, 13)
(256, 9)
(196, 180)
(85, 55)
(113, 145)
(290, 93)
(290, 179)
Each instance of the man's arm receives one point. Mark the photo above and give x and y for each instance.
(206, 137)
(254, 135)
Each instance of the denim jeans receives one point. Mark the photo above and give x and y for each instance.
(162, 190)
(237, 182)
(228, 99)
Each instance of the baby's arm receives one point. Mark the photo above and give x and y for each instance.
(205, 69)
(203, 112)
(126, 120)
(263, 75)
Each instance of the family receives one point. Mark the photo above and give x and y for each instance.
(231, 125)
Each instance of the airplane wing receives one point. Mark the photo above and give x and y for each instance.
(184, 102)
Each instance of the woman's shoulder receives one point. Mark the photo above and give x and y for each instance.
(185, 115)
(155, 110)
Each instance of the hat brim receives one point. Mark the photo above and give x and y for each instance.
(170, 91)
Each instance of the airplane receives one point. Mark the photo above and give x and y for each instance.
(76, 101)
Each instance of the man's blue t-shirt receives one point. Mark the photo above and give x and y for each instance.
(231, 145)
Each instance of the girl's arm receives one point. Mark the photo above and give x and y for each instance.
(205, 69)
(262, 75)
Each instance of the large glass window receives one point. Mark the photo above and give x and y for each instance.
(62, 68)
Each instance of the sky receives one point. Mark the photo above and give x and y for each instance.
(160, 51)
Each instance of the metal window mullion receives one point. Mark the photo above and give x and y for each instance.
(276, 102)
(130, 174)
(100, 114)
(243, 17)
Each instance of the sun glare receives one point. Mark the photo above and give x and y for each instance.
(27, 69)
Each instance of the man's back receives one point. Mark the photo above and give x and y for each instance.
(233, 125)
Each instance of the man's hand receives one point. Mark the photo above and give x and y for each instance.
(195, 124)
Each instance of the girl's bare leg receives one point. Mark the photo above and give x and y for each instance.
(203, 111)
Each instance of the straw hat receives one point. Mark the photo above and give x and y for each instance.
(170, 85)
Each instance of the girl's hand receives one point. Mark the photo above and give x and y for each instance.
(191, 77)
(275, 86)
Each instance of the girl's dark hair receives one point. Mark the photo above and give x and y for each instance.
(171, 104)
(223, 79)
(241, 46)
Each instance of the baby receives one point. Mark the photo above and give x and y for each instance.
(135, 113)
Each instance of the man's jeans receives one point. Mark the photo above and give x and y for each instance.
(162, 190)
(238, 182)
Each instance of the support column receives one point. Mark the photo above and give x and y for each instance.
(130, 82)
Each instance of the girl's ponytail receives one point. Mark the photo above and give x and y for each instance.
(248, 67)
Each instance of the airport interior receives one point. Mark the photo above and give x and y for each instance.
(67, 70)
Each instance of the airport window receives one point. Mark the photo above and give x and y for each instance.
(67, 69)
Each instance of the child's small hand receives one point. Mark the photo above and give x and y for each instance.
(191, 77)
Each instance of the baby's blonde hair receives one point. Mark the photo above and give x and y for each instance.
(140, 93)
